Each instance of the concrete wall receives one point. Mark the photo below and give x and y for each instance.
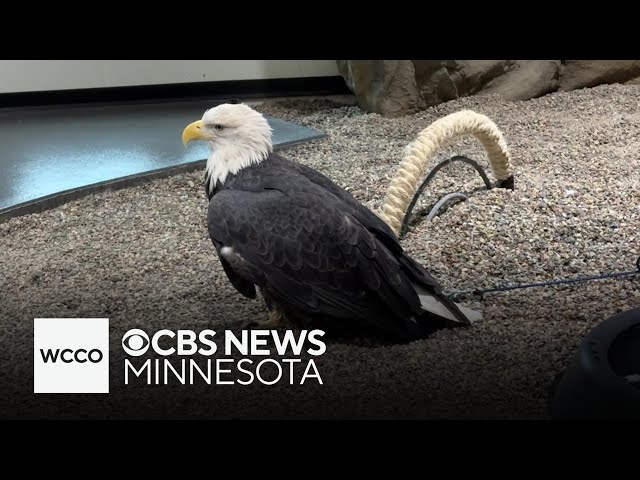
(42, 75)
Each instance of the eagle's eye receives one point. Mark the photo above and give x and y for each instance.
(218, 127)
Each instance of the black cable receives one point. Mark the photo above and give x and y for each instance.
(482, 292)
(432, 174)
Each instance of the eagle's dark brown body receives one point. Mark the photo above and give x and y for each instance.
(317, 255)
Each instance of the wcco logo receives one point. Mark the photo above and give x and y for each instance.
(71, 355)
(67, 355)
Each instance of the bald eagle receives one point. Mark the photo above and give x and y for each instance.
(318, 257)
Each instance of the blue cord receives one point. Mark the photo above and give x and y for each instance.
(481, 292)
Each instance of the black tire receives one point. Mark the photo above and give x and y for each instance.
(594, 385)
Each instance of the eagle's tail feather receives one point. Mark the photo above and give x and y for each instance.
(472, 315)
(444, 307)
(432, 300)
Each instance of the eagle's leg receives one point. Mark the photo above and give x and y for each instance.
(276, 320)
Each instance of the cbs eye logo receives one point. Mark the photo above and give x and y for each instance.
(135, 342)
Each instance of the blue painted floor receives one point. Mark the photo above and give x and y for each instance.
(46, 151)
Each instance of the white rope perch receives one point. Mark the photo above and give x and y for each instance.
(413, 166)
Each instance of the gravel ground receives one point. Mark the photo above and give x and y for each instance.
(141, 257)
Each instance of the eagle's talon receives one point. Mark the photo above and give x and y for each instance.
(250, 324)
(275, 321)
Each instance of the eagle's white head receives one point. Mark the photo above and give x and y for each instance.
(238, 136)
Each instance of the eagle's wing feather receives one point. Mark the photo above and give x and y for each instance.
(420, 276)
(243, 286)
(364, 215)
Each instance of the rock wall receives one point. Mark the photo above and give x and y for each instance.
(400, 87)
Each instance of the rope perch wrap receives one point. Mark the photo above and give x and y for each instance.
(413, 166)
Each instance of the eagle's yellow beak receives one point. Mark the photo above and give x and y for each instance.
(193, 131)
